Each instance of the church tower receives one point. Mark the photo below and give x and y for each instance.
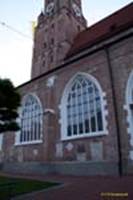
(57, 27)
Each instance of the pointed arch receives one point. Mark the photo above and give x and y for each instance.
(31, 120)
(82, 108)
(129, 107)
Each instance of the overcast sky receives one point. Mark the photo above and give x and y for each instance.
(16, 50)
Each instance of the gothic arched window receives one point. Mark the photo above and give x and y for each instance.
(82, 108)
(129, 107)
(31, 120)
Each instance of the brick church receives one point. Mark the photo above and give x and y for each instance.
(76, 114)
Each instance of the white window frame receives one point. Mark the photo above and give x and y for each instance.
(18, 133)
(129, 101)
(63, 110)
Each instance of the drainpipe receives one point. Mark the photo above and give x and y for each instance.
(120, 168)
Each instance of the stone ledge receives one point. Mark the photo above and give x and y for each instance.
(64, 168)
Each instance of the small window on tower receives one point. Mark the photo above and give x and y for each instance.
(44, 45)
(52, 41)
(51, 57)
(43, 63)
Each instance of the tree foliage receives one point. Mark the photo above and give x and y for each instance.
(9, 103)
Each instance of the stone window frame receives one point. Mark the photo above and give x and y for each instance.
(18, 135)
(128, 107)
(62, 107)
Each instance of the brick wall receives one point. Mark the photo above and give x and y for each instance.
(53, 149)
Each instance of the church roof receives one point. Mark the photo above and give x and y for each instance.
(103, 29)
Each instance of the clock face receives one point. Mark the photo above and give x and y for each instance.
(77, 10)
(50, 8)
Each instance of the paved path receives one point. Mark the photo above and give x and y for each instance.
(84, 188)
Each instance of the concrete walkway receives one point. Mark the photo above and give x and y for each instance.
(83, 188)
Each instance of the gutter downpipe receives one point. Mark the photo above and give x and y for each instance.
(120, 167)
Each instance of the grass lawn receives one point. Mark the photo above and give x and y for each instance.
(10, 187)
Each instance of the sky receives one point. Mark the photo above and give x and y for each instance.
(16, 49)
